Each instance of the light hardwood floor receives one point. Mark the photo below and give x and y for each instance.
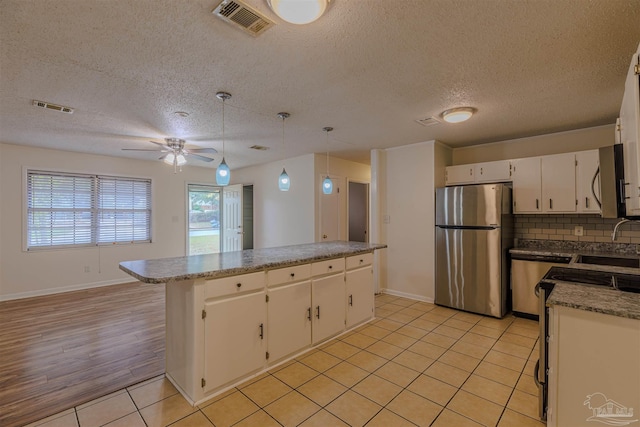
(62, 350)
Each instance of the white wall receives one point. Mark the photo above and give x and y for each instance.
(408, 218)
(49, 271)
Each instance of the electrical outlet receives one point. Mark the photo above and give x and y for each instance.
(386, 219)
(578, 230)
(87, 269)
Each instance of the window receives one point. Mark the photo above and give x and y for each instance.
(82, 210)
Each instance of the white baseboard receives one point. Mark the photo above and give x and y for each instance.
(406, 295)
(60, 290)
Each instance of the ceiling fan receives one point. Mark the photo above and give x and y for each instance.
(176, 153)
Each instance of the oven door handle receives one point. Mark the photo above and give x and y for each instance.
(536, 370)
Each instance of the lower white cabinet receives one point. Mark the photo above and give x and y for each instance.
(327, 295)
(360, 297)
(289, 319)
(234, 339)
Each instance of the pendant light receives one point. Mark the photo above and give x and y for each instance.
(223, 174)
(284, 182)
(327, 184)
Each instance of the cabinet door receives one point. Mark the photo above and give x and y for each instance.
(559, 183)
(328, 311)
(289, 319)
(527, 185)
(234, 340)
(587, 165)
(498, 171)
(360, 298)
(461, 174)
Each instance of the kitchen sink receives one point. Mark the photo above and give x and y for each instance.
(609, 260)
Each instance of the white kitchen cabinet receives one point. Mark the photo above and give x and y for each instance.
(527, 185)
(328, 310)
(545, 184)
(628, 134)
(289, 319)
(593, 368)
(234, 338)
(360, 297)
(498, 171)
(461, 174)
(587, 163)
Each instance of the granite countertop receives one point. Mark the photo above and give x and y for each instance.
(598, 299)
(213, 266)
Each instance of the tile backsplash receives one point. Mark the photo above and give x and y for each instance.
(561, 228)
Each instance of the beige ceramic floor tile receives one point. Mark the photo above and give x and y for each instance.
(444, 311)
(512, 349)
(449, 418)
(322, 418)
(459, 360)
(230, 410)
(383, 349)
(375, 332)
(506, 360)
(524, 403)
(390, 325)
(458, 324)
(359, 340)
(341, 350)
(501, 324)
(527, 384)
(467, 317)
(399, 340)
(524, 331)
(497, 373)
(487, 332)
(367, 361)
(322, 390)
(197, 419)
(346, 374)
(265, 391)
(478, 409)
(166, 411)
(426, 349)
(386, 418)
(258, 419)
(292, 409)
(377, 389)
(131, 420)
(470, 349)
(520, 340)
(353, 409)
(405, 302)
(296, 374)
(107, 410)
(63, 419)
(414, 361)
(397, 374)
(412, 331)
(246, 383)
(410, 311)
(433, 389)
(382, 313)
(439, 340)
(488, 389)
(399, 317)
(479, 340)
(152, 392)
(222, 395)
(320, 361)
(434, 317)
(424, 324)
(414, 408)
(449, 374)
(511, 418)
(449, 331)
(101, 399)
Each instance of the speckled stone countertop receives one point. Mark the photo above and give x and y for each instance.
(213, 266)
(598, 299)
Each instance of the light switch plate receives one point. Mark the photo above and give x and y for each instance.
(578, 230)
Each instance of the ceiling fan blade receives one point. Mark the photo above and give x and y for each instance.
(142, 149)
(203, 158)
(158, 143)
(202, 150)
(163, 156)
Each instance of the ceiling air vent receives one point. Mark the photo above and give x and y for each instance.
(54, 107)
(242, 16)
(429, 121)
(259, 147)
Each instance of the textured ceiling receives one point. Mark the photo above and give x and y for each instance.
(369, 68)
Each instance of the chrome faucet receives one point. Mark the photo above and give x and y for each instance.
(614, 235)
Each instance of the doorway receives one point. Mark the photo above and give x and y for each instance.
(203, 223)
(358, 207)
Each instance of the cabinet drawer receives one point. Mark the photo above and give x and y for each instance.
(288, 274)
(326, 267)
(234, 285)
(359, 261)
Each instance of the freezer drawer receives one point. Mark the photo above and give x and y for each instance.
(469, 270)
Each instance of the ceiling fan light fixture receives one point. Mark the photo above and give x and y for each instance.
(458, 115)
(299, 11)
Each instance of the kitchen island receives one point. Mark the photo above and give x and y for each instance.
(233, 315)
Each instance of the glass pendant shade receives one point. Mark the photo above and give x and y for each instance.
(169, 158)
(299, 11)
(283, 181)
(223, 174)
(327, 185)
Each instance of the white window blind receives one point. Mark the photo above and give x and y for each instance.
(80, 210)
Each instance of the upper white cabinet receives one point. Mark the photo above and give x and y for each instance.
(498, 171)
(628, 134)
(587, 182)
(545, 184)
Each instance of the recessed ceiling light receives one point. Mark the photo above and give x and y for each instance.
(457, 115)
(181, 113)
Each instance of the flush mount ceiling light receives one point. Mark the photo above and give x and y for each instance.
(223, 173)
(457, 115)
(284, 182)
(299, 11)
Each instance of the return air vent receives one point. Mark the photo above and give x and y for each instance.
(242, 16)
(53, 107)
(259, 147)
(429, 121)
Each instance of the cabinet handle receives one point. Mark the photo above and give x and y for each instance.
(550, 204)
(318, 312)
(309, 313)
(351, 300)
(261, 331)
(537, 204)
(586, 202)
(239, 285)
(293, 275)
(471, 172)
(330, 267)
(361, 261)
(481, 172)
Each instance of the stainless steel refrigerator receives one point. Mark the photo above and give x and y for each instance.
(474, 232)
